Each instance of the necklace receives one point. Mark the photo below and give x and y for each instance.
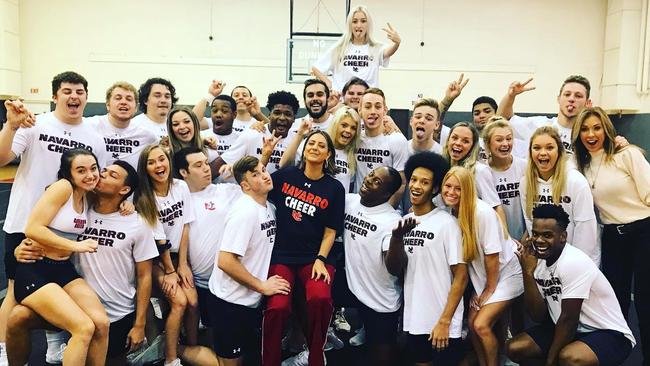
(594, 177)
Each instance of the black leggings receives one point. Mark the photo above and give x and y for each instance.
(625, 256)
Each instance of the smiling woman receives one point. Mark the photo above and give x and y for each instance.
(548, 179)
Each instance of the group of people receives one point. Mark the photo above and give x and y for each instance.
(243, 222)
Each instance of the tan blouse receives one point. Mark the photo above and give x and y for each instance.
(620, 186)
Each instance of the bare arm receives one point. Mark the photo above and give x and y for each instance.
(54, 197)
(184, 270)
(453, 91)
(17, 116)
(505, 109)
(394, 37)
(142, 296)
(565, 328)
(440, 333)
(289, 155)
(322, 77)
(230, 264)
(396, 198)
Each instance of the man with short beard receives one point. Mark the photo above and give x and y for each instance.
(157, 97)
(315, 95)
(282, 107)
(123, 140)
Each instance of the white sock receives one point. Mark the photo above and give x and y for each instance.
(54, 341)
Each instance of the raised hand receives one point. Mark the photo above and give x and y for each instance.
(404, 226)
(456, 87)
(253, 107)
(517, 87)
(526, 254)
(18, 115)
(333, 100)
(392, 34)
(305, 126)
(268, 144)
(216, 87)
(390, 126)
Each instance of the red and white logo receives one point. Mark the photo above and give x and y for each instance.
(296, 215)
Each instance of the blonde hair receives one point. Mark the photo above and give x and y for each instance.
(145, 197)
(351, 148)
(428, 102)
(469, 161)
(466, 211)
(492, 124)
(124, 85)
(347, 37)
(532, 174)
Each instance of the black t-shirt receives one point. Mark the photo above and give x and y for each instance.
(304, 208)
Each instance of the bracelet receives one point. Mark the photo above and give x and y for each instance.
(166, 273)
(322, 258)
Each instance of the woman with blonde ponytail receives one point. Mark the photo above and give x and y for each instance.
(489, 253)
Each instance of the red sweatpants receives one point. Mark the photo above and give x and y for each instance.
(278, 307)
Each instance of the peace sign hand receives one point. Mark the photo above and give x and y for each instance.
(518, 87)
(392, 34)
(456, 87)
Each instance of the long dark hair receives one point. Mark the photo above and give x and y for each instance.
(329, 166)
(65, 169)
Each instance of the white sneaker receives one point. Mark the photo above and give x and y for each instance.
(333, 341)
(176, 362)
(360, 338)
(301, 359)
(56, 357)
(290, 346)
(340, 323)
(3, 355)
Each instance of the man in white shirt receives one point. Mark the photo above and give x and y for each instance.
(375, 149)
(426, 248)
(239, 278)
(157, 96)
(315, 96)
(211, 204)
(369, 220)
(282, 107)
(39, 148)
(581, 322)
(123, 140)
(353, 91)
(572, 99)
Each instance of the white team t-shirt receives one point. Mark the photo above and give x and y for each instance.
(250, 143)
(122, 143)
(525, 126)
(174, 211)
(578, 203)
(211, 206)
(361, 61)
(491, 240)
(575, 276)
(507, 187)
(366, 236)
(485, 187)
(436, 148)
(323, 126)
(239, 125)
(40, 148)
(379, 151)
(158, 129)
(224, 142)
(123, 242)
(249, 233)
(432, 247)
